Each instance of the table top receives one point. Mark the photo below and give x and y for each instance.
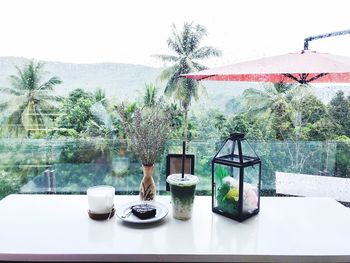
(287, 229)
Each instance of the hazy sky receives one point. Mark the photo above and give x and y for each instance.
(130, 31)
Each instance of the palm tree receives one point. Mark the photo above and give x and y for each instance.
(219, 121)
(100, 96)
(275, 102)
(185, 45)
(150, 96)
(29, 101)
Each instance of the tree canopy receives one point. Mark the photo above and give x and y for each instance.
(186, 49)
(31, 101)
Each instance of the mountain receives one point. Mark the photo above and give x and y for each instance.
(120, 81)
(127, 81)
(123, 81)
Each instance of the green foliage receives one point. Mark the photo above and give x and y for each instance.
(275, 102)
(128, 114)
(30, 101)
(290, 129)
(312, 109)
(226, 205)
(176, 120)
(339, 110)
(9, 183)
(75, 112)
(238, 123)
(220, 120)
(321, 130)
(186, 46)
(220, 174)
(100, 96)
(150, 96)
(86, 114)
(343, 138)
(234, 105)
(342, 165)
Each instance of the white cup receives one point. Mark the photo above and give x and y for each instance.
(100, 198)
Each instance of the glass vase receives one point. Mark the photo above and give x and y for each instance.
(147, 185)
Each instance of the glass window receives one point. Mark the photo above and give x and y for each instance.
(62, 81)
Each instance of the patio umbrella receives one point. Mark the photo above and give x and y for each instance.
(304, 67)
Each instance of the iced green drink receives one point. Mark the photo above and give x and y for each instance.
(182, 194)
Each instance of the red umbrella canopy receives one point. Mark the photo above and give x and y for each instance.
(304, 67)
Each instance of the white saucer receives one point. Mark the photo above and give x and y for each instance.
(123, 210)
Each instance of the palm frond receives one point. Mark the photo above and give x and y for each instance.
(281, 87)
(263, 110)
(13, 122)
(167, 58)
(206, 52)
(50, 84)
(30, 76)
(198, 66)
(186, 38)
(185, 44)
(37, 67)
(187, 89)
(201, 32)
(175, 42)
(170, 88)
(11, 91)
(172, 83)
(191, 66)
(174, 46)
(32, 118)
(31, 102)
(102, 117)
(252, 92)
(20, 79)
(191, 37)
(202, 89)
(255, 99)
(150, 96)
(13, 104)
(183, 97)
(46, 107)
(167, 73)
(43, 96)
(299, 91)
(4, 106)
(16, 82)
(100, 96)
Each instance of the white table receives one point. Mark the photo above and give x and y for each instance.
(288, 229)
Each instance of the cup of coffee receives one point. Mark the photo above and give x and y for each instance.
(182, 194)
(100, 199)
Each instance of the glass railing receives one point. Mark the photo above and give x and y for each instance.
(71, 166)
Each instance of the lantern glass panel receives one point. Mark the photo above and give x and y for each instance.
(251, 189)
(226, 188)
(226, 149)
(230, 152)
(247, 150)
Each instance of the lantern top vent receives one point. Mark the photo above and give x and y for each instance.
(237, 151)
(236, 136)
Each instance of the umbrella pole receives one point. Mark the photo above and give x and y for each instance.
(332, 34)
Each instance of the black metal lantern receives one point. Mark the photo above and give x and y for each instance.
(236, 179)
